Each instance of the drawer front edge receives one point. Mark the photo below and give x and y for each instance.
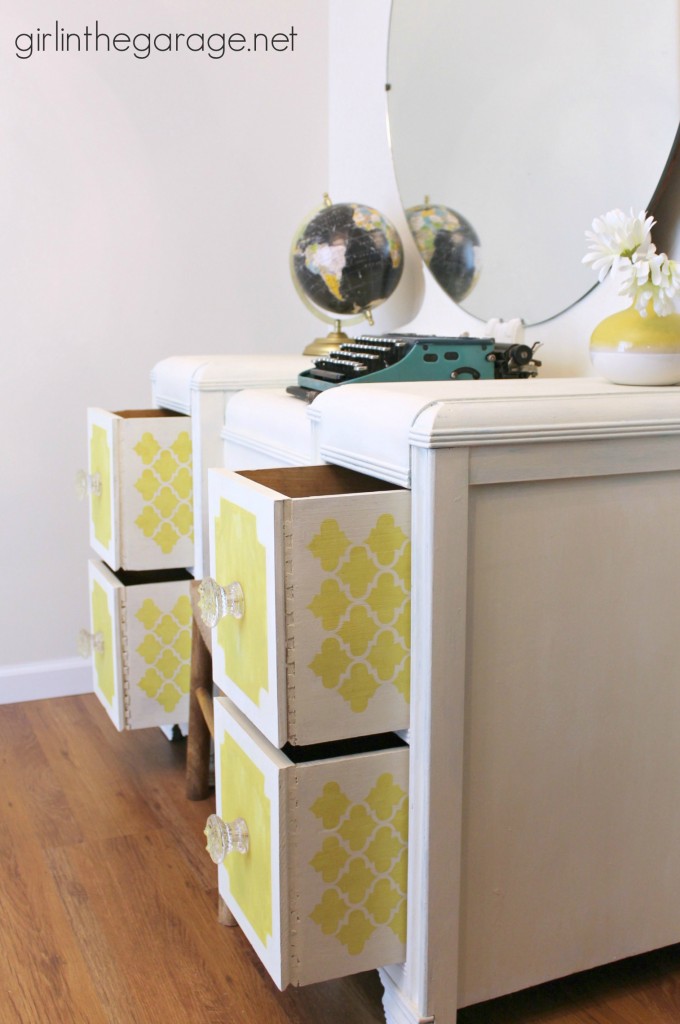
(105, 619)
(104, 523)
(251, 783)
(246, 545)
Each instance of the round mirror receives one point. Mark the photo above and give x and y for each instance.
(528, 120)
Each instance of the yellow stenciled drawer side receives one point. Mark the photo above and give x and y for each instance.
(321, 890)
(142, 646)
(141, 488)
(349, 614)
(322, 649)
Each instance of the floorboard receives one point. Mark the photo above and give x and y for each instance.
(108, 901)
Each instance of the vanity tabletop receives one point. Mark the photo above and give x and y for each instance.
(372, 427)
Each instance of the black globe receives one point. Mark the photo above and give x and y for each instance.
(348, 258)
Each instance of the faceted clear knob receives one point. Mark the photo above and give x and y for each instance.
(88, 483)
(215, 601)
(89, 642)
(225, 837)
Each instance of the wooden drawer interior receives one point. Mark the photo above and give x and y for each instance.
(315, 481)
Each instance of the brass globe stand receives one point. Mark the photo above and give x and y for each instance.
(329, 342)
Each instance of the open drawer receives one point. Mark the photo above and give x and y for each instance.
(140, 488)
(322, 557)
(140, 643)
(319, 885)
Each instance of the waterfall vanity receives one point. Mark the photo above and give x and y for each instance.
(541, 745)
(448, 729)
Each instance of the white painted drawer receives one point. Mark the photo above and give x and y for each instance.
(323, 557)
(141, 630)
(321, 891)
(140, 495)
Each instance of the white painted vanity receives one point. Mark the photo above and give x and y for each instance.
(544, 833)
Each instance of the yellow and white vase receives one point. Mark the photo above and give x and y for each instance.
(627, 348)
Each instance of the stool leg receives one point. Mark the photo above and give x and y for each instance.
(198, 740)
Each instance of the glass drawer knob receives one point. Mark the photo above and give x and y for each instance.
(215, 601)
(88, 483)
(89, 643)
(225, 837)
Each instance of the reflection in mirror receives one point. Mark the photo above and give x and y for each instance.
(528, 120)
(448, 244)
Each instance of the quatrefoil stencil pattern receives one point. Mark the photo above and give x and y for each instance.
(364, 606)
(166, 488)
(166, 649)
(363, 861)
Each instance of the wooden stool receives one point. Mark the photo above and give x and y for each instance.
(200, 705)
(201, 721)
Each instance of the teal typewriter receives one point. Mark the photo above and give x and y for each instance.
(377, 359)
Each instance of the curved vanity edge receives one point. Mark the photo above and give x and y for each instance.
(398, 1009)
(238, 372)
(526, 411)
(270, 424)
(367, 427)
(174, 379)
(171, 381)
(372, 427)
(398, 473)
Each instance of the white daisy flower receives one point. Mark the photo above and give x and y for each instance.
(623, 243)
(654, 279)
(618, 236)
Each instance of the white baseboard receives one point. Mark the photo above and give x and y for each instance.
(37, 680)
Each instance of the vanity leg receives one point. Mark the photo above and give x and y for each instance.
(400, 1010)
(428, 988)
(198, 740)
(224, 914)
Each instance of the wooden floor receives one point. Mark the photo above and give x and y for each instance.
(107, 901)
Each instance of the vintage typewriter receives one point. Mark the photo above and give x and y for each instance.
(373, 359)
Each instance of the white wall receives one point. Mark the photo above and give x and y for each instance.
(146, 209)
